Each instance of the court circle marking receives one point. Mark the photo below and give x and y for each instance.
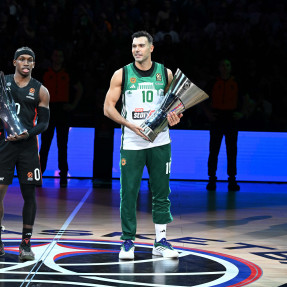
(238, 272)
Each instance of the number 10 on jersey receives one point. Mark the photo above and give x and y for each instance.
(147, 96)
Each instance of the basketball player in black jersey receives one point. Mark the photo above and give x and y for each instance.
(21, 151)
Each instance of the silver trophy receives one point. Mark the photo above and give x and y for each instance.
(182, 94)
(8, 113)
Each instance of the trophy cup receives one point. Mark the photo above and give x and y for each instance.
(8, 113)
(181, 95)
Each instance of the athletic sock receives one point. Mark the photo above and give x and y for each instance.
(26, 233)
(160, 231)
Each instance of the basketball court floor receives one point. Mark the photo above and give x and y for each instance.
(223, 238)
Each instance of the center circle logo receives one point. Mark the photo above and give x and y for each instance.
(96, 263)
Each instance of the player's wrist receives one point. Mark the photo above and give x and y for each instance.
(25, 135)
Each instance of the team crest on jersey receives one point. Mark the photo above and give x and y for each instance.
(158, 77)
(133, 80)
(124, 161)
(31, 94)
(30, 176)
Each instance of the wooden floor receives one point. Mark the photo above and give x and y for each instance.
(224, 238)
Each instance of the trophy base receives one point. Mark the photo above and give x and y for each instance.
(12, 129)
(149, 133)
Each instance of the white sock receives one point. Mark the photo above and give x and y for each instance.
(160, 231)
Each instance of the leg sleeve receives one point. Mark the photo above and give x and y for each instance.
(29, 209)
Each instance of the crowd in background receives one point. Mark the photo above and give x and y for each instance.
(192, 35)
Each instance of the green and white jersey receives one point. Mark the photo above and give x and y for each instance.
(142, 94)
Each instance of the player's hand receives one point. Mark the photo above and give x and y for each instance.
(173, 118)
(17, 137)
(137, 130)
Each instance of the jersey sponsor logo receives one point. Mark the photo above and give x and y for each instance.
(132, 87)
(158, 77)
(29, 97)
(140, 114)
(133, 80)
(124, 161)
(8, 84)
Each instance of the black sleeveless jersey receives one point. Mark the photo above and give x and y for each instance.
(26, 100)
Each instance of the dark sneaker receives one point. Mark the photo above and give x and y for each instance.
(25, 251)
(127, 250)
(2, 251)
(164, 249)
(233, 186)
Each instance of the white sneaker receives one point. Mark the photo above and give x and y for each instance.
(164, 249)
(127, 250)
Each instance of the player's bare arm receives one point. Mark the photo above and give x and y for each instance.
(112, 97)
(44, 97)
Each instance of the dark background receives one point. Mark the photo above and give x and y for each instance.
(192, 35)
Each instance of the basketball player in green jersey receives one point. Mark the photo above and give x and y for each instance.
(142, 85)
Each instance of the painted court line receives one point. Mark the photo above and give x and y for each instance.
(56, 239)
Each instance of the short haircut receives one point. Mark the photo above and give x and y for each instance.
(143, 34)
